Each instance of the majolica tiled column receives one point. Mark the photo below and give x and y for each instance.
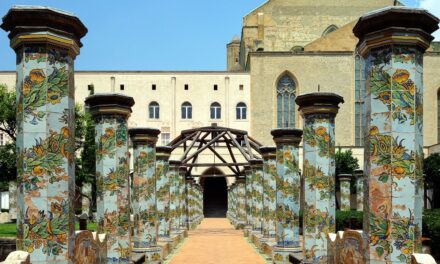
(110, 112)
(183, 201)
(173, 174)
(270, 191)
(257, 195)
(287, 193)
(144, 193)
(46, 43)
(344, 183)
(359, 175)
(13, 200)
(392, 42)
(249, 200)
(189, 200)
(163, 192)
(86, 190)
(241, 203)
(318, 111)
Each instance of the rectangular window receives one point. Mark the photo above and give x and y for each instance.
(90, 87)
(1, 139)
(165, 138)
(122, 87)
(241, 87)
(153, 87)
(359, 126)
(215, 87)
(186, 86)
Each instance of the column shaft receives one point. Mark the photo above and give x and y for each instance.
(392, 42)
(319, 111)
(287, 193)
(46, 43)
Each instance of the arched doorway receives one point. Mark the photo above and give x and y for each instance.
(215, 194)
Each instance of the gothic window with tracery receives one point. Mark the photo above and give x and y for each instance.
(286, 94)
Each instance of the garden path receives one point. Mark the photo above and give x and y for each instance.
(216, 241)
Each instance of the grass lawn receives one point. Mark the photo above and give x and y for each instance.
(9, 230)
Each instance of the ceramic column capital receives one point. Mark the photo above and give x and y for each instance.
(163, 153)
(287, 136)
(144, 135)
(109, 104)
(268, 152)
(37, 25)
(319, 103)
(395, 25)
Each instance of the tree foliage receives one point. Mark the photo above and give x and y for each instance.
(8, 168)
(431, 167)
(7, 112)
(345, 162)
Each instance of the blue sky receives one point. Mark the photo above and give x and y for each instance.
(149, 35)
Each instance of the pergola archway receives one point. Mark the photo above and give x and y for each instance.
(231, 148)
(230, 151)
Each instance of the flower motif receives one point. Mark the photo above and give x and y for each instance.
(401, 76)
(53, 97)
(385, 97)
(37, 76)
(38, 171)
(399, 172)
(374, 131)
(65, 132)
(321, 130)
(109, 132)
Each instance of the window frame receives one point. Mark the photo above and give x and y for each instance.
(153, 110)
(215, 111)
(241, 111)
(186, 110)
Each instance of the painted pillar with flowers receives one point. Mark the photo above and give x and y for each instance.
(183, 201)
(249, 200)
(189, 201)
(86, 190)
(257, 195)
(173, 174)
(110, 113)
(241, 203)
(288, 186)
(13, 200)
(163, 192)
(318, 111)
(270, 192)
(344, 184)
(46, 43)
(144, 193)
(392, 42)
(359, 176)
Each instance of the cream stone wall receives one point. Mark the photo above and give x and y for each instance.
(170, 94)
(334, 72)
(431, 83)
(279, 25)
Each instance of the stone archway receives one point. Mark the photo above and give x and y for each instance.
(215, 193)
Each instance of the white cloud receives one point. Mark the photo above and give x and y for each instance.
(432, 6)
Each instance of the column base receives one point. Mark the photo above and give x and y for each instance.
(166, 243)
(281, 255)
(266, 245)
(153, 255)
(247, 230)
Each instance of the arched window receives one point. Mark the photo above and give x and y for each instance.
(359, 91)
(186, 110)
(216, 111)
(329, 30)
(286, 94)
(241, 111)
(153, 110)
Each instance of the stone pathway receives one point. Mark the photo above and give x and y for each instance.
(216, 241)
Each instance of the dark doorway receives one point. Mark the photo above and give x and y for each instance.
(215, 197)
